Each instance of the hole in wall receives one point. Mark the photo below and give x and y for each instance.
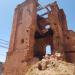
(27, 30)
(55, 24)
(48, 49)
(67, 37)
(22, 41)
(45, 16)
(47, 27)
(49, 8)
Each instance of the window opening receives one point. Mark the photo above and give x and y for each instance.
(47, 27)
(48, 49)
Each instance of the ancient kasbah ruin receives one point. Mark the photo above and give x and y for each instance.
(31, 33)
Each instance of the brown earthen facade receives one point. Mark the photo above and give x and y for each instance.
(29, 36)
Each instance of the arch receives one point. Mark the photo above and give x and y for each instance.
(48, 49)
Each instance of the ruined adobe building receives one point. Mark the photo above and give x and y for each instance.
(30, 36)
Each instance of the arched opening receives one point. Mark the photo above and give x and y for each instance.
(48, 49)
(47, 27)
(43, 38)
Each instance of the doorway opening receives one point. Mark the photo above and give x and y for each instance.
(48, 49)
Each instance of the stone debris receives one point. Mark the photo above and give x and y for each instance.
(50, 65)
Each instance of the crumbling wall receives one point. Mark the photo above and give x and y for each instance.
(22, 39)
(70, 46)
(55, 23)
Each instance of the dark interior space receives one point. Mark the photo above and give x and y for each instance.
(43, 35)
(40, 36)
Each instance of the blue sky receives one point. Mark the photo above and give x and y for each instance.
(6, 18)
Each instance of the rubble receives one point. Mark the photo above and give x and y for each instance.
(52, 66)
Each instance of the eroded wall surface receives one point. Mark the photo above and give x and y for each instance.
(22, 39)
(70, 46)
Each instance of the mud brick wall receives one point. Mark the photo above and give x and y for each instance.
(22, 39)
